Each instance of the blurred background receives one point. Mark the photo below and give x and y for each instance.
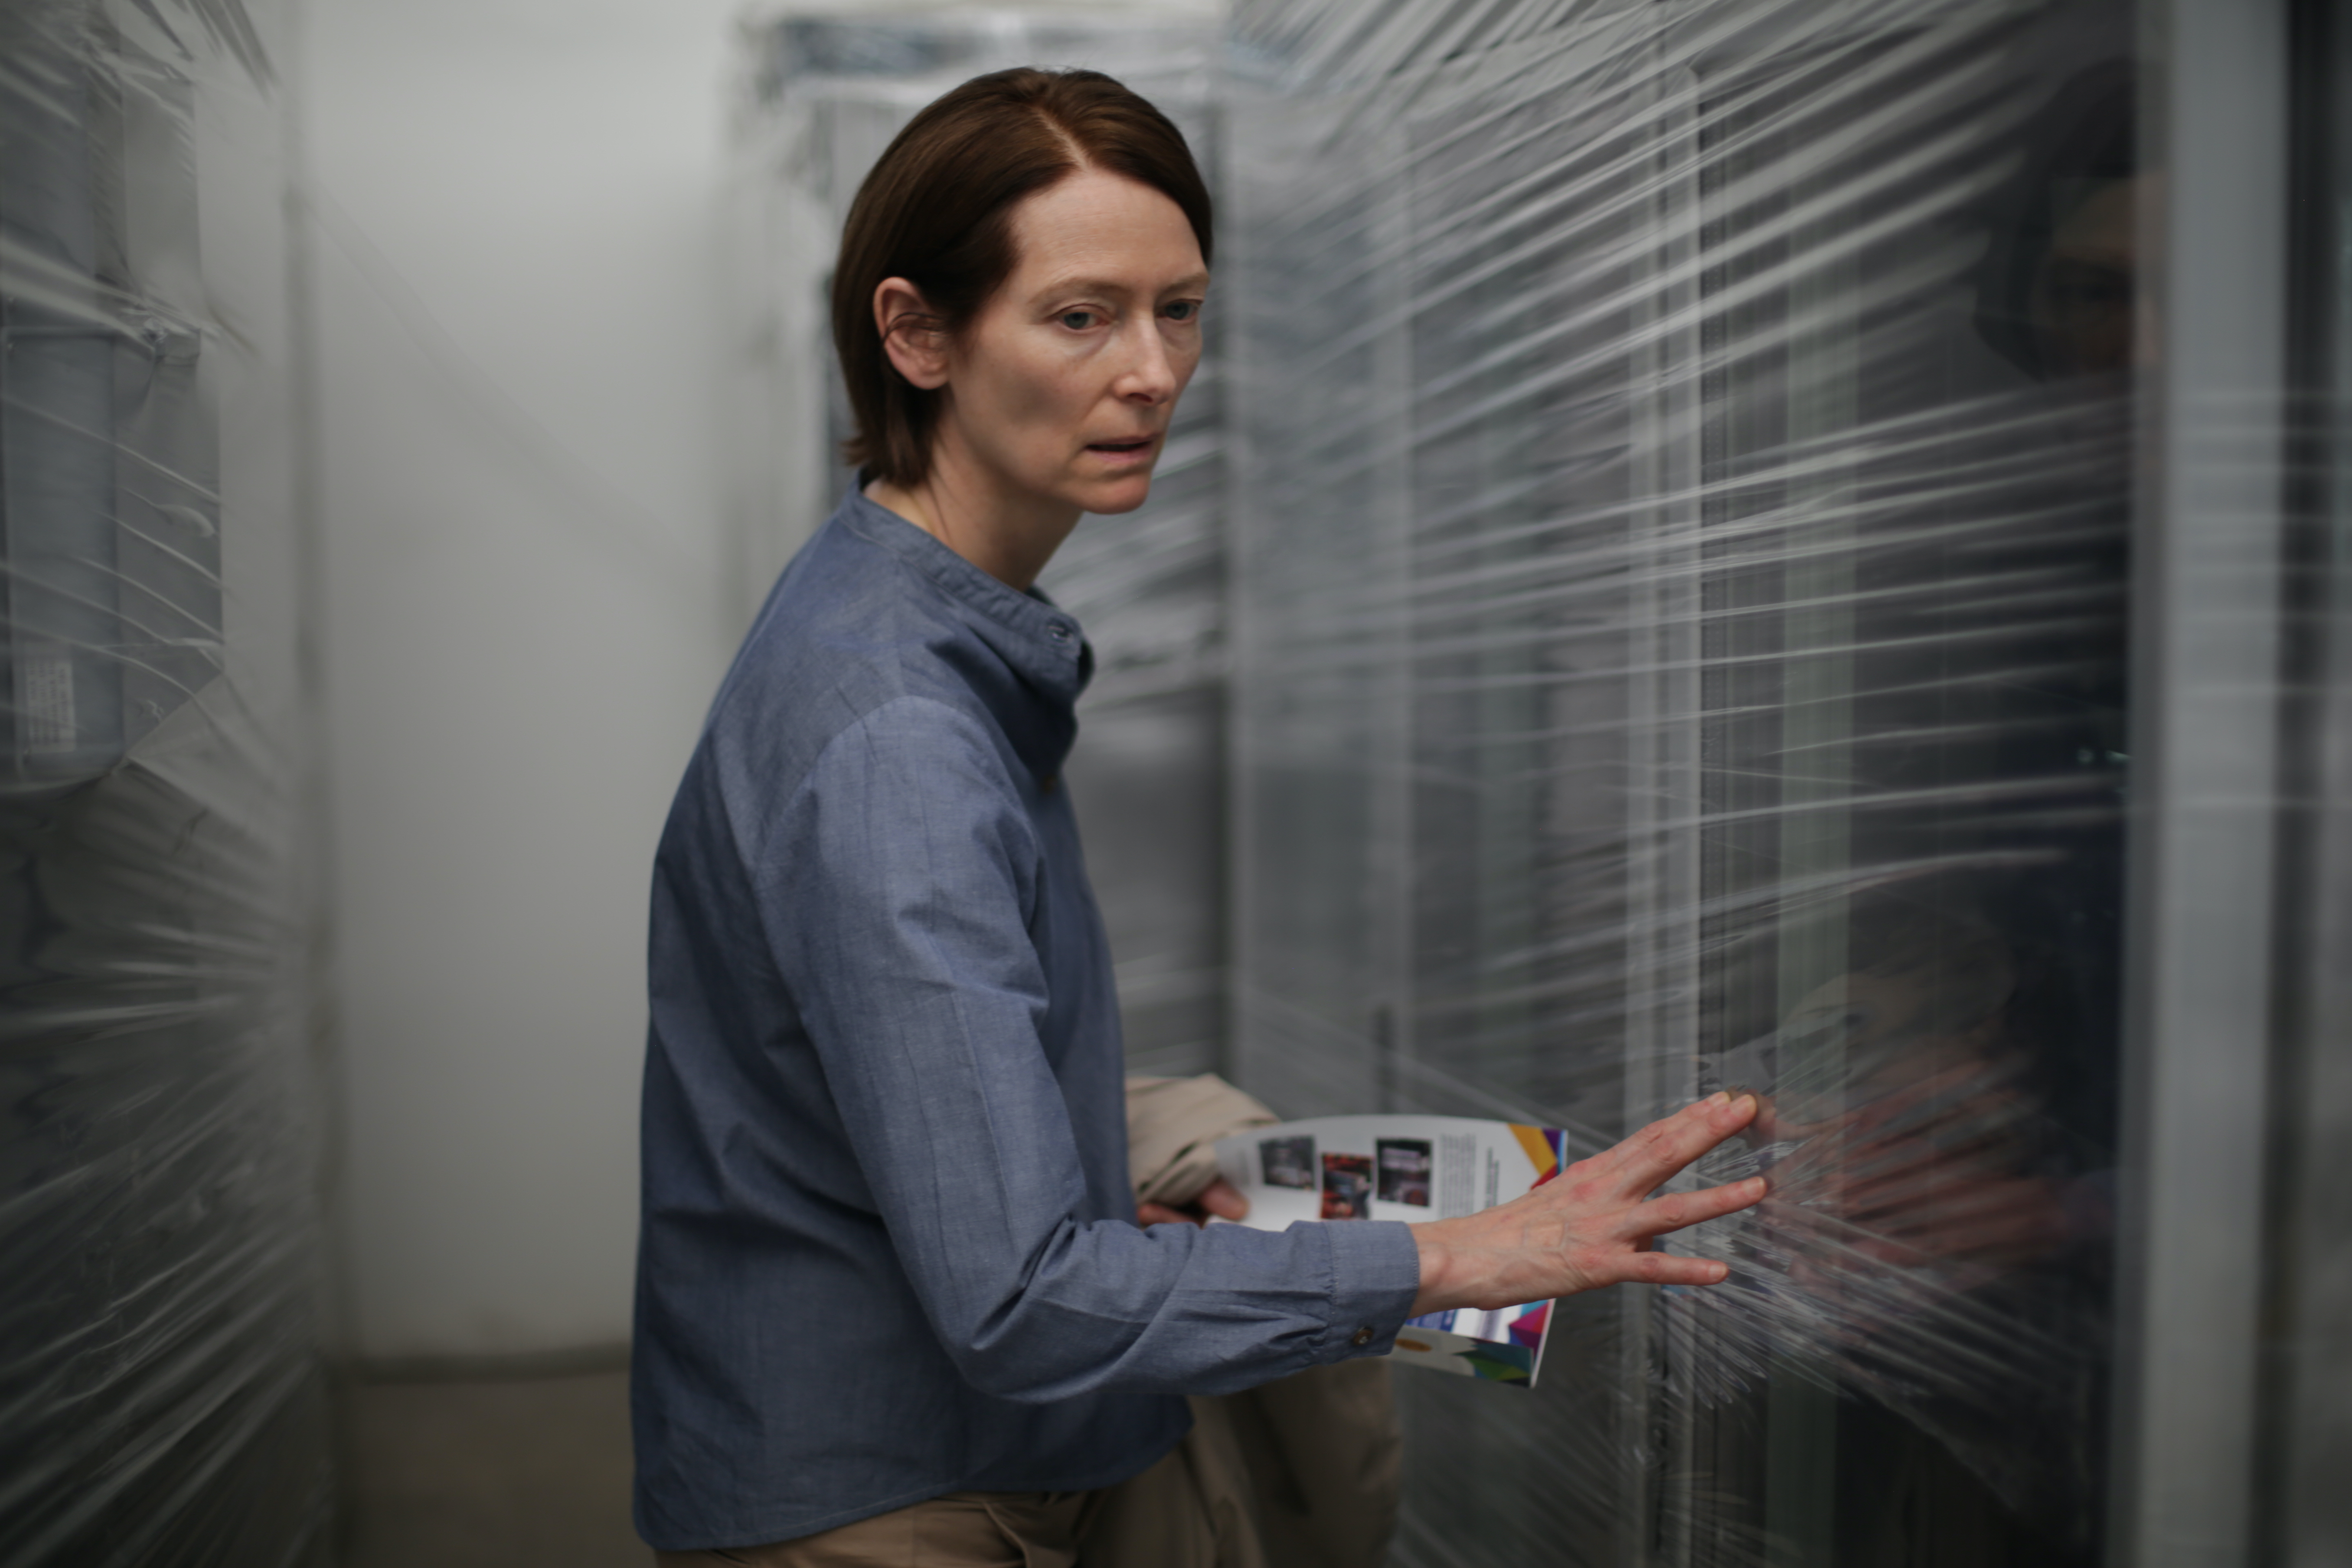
(564, 265)
(565, 259)
(1717, 542)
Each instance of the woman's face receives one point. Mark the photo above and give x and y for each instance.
(1060, 392)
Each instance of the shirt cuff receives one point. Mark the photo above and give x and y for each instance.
(1375, 1274)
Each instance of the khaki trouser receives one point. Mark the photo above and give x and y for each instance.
(1300, 1473)
(961, 1529)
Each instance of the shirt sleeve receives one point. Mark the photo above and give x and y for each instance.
(897, 889)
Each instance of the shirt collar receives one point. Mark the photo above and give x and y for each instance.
(1037, 637)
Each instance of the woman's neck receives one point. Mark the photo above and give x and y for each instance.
(1008, 535)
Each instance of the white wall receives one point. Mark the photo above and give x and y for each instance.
(513, 231)
(511, 235)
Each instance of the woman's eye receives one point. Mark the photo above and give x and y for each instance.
(1077, 321)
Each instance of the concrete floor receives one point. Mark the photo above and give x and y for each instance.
(522, 1472)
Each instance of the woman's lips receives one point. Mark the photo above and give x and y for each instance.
(1138, 450)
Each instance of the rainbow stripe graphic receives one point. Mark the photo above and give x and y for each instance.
(1547, 1149)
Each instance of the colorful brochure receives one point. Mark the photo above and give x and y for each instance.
(1411, 1168)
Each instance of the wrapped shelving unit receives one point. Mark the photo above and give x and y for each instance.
(160, 1399)
(1791, 546)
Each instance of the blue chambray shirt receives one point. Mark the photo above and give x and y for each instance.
(888, 1246)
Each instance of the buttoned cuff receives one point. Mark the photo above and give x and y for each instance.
(1375, 1274)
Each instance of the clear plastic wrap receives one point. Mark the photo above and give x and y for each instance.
(1694, 463)
(819, 97)
(161, 1396)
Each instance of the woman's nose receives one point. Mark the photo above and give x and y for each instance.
(1150, 376)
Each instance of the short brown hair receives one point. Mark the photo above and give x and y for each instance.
(936, 210)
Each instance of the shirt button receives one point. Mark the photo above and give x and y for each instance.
(1363, 1337)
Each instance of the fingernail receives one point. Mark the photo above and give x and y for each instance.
(1749, 1101)
(1720, 1097)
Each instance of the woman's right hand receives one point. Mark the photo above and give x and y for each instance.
(1592, 1224)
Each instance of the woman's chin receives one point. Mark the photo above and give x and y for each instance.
(1109, 498)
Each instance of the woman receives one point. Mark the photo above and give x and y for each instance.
(893, 1302)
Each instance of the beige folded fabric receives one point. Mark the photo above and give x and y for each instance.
(1303, 1472)
(1172, 1128)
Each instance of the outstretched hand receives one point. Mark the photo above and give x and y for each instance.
(1592, 1224)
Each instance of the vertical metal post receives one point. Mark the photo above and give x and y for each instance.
(1389, 890)
(1662, 743)
(2203, 778)
(1816, 764)
(2303, 1513)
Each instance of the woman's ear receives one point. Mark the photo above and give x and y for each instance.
(910, 334)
